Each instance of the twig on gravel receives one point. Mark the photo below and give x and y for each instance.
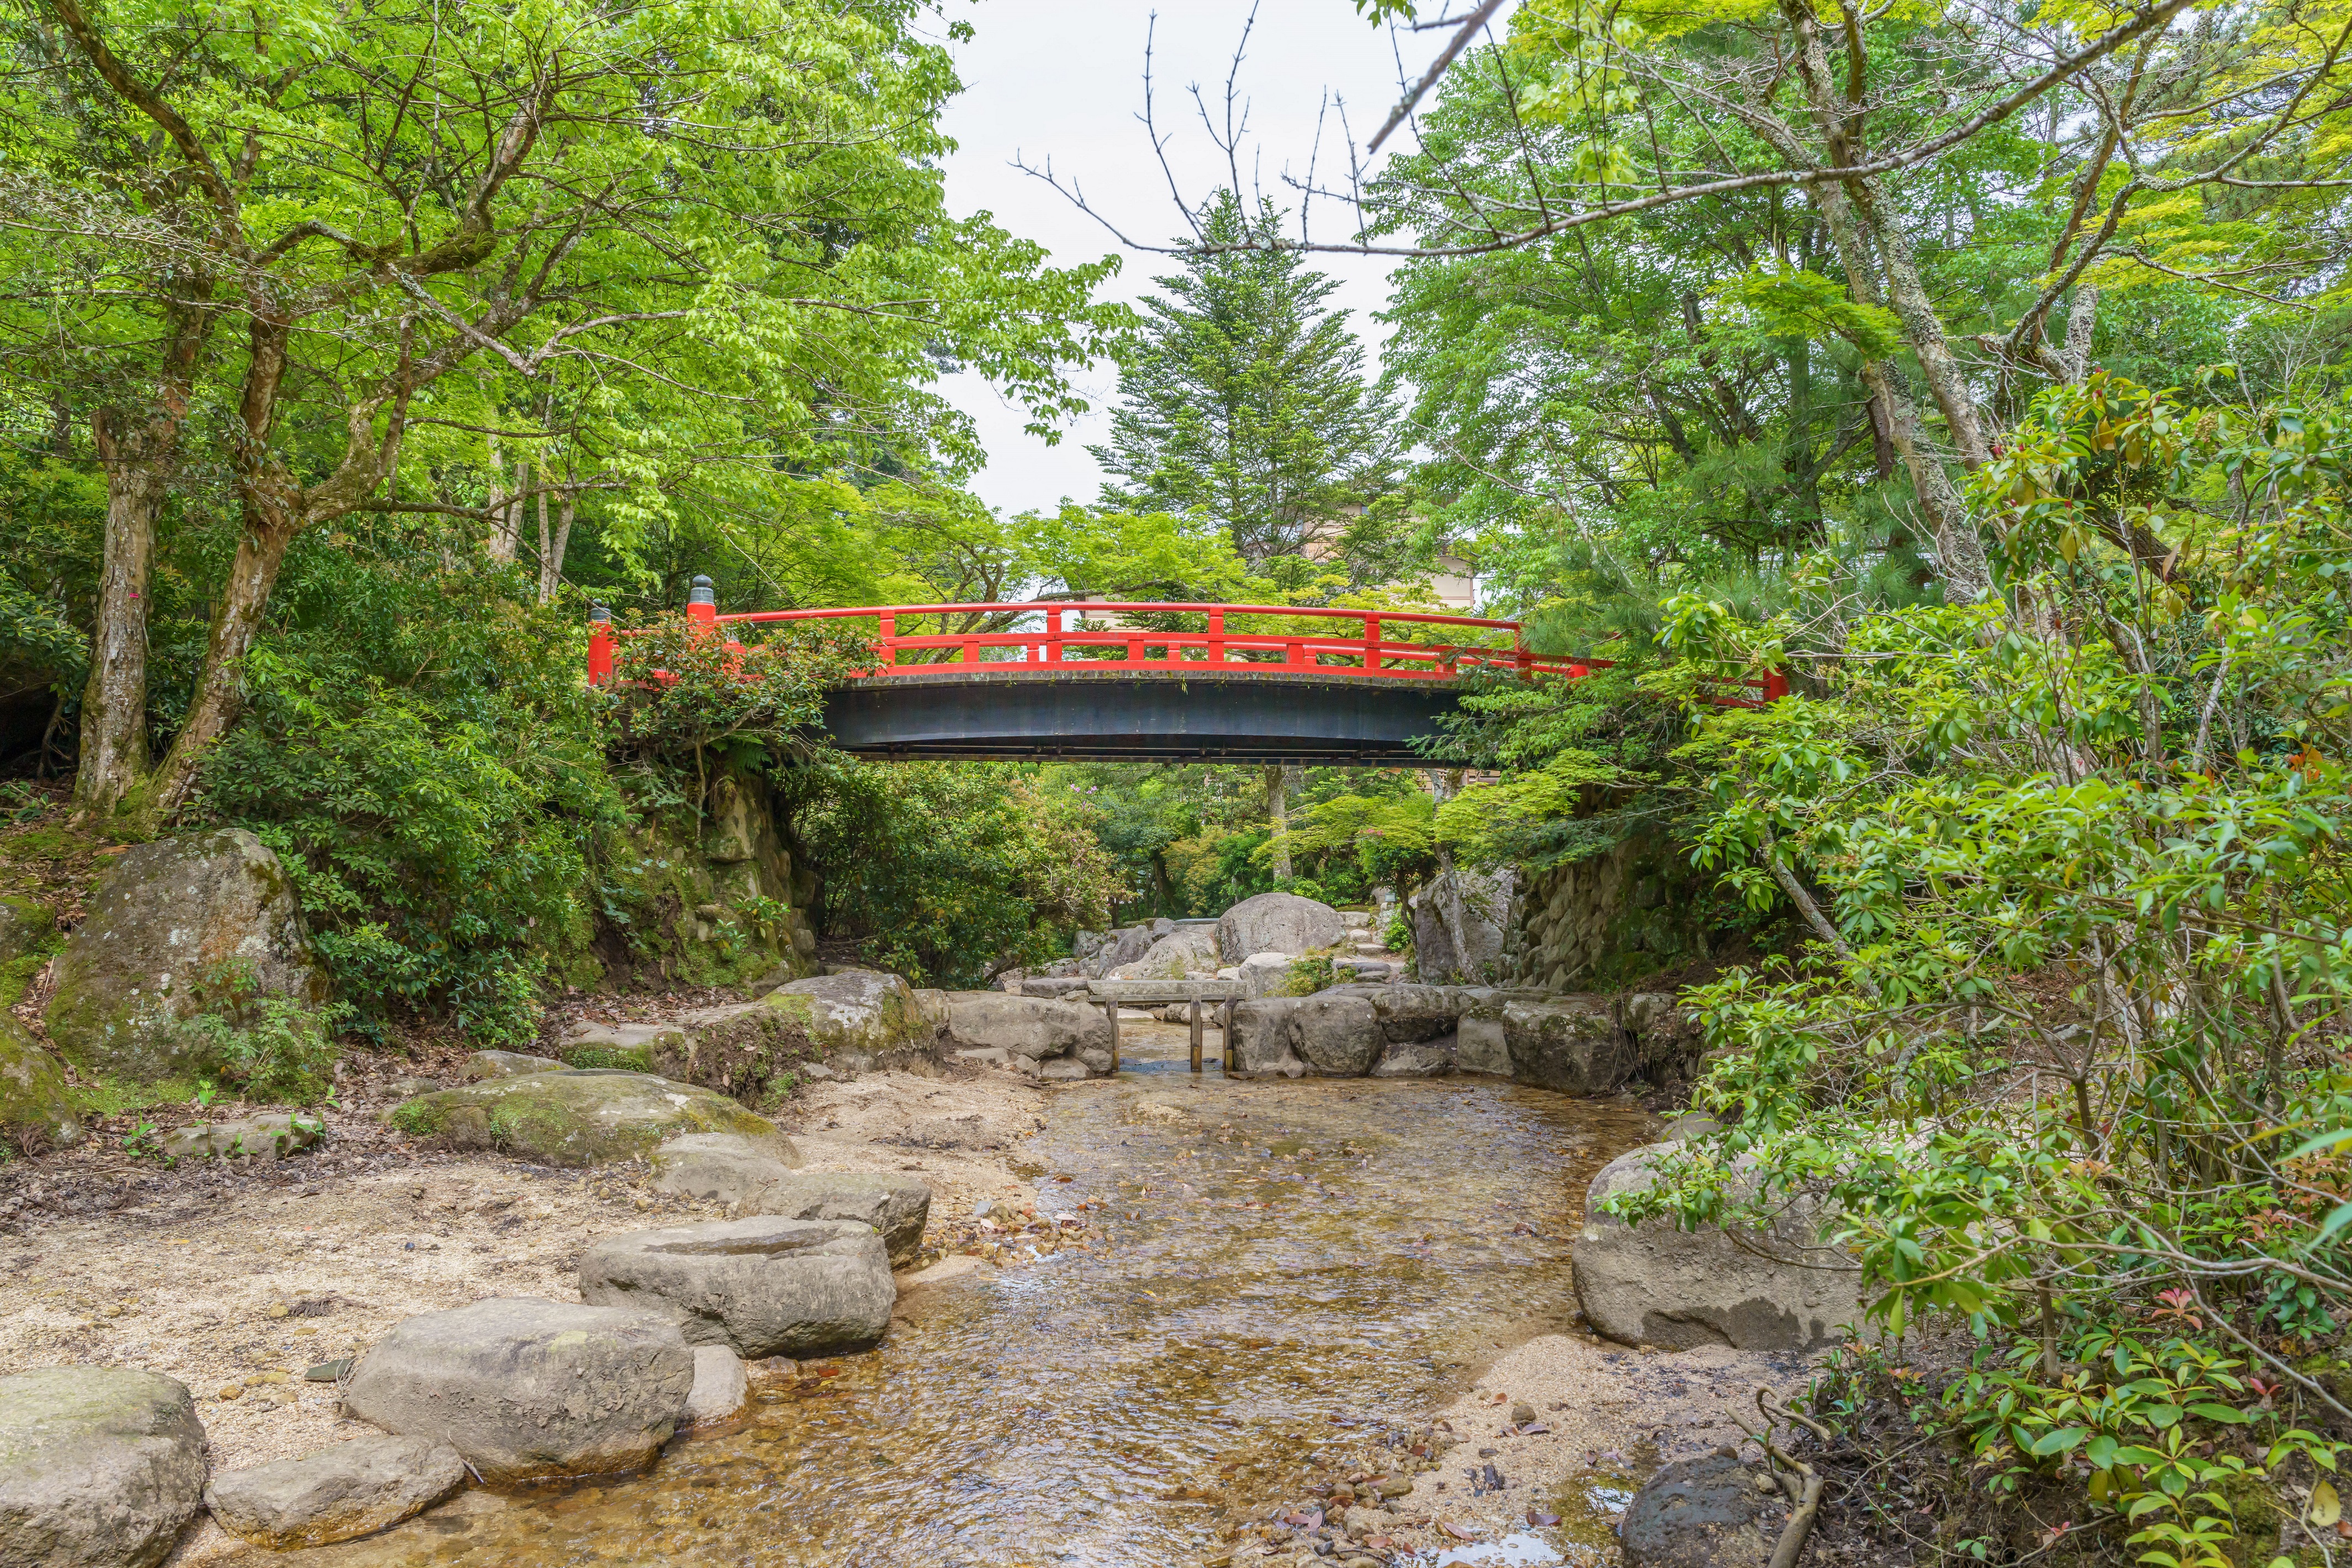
(1805, 1495)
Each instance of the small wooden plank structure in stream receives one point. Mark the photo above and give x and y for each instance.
(1116, 994)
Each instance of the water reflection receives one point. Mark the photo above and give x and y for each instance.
(1265, 1268)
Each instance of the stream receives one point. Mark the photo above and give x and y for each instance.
(1268, 1270)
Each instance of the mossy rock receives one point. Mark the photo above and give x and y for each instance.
(177, 926)
(579, 1117)
(703, 901)
(36, 1113)
(754, 1056)
(863, 1010)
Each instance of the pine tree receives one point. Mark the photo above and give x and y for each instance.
(1246, 399)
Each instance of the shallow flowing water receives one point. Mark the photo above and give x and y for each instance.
(1260, 1280)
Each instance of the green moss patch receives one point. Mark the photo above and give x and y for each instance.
(627, 1058)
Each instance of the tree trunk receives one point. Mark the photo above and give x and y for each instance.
(1882, 439)
(220, 690)
(551, 547)
(1922, 330)
(273, 515)
(1277, 816)
(1960, 551)
(114, 700)
(2080, 315)
(139, 456)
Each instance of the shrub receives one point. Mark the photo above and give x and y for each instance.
(419, 748)
(271, 1050)
(949, 873)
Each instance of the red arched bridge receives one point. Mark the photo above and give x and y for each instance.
(1244, 682)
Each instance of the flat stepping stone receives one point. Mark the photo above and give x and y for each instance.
(762, 1287)
(719, 1169)
(527, 1389)
(335, 1494)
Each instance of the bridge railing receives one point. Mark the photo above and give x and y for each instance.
(1360, 642)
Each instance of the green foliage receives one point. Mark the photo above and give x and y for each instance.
(1383, 840)
(50, 516)
(948, 874)
(2067, 1050)
(421, 751)
(1243, 398)
(1307, 974)
(686, 690)
(269, 1048)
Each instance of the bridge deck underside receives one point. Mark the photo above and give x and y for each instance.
(1138, 715)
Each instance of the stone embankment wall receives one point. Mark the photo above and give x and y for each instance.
(719, 901)
(1598, 923)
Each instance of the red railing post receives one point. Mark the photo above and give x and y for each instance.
(1050, 651)
(1776, 686)
(1372, 645)
(887, 637)
(1216, 636)
(600, 645)
(702, 603)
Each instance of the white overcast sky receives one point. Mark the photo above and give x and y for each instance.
(1062, 79)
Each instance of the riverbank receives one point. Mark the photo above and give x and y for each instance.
(236, 1279)
(1234, 1294)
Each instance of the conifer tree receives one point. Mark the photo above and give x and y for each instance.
(1246, 396)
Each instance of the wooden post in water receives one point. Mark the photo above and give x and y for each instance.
(1110, 1011)
(1196, 1032)
(1226, 1062)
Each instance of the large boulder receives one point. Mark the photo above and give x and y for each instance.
(1480, 901)
(1033, 1027)
(1278, 923)
(177, 926)
(1569, 1043)
(1707, 1512)
(35, 1112)
(582, 1116)
(1406, 1012)
(862, 1011)
(1337, 1035)
(1123, 946)
(761, 1287)
(1653, 1284)
(28, 930)
(1263, 1039)
(1265, 975)
(337, 1493)
(98, 1465)
(527, 1389)
(718, 1167)
(1189, 952)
